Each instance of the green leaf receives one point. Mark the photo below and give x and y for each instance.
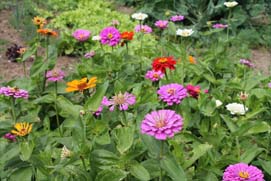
(48, 98)
(173, 169)
(67, 109)
(124, 138)
(250, 153)
(152, 145)
(26, 149)
(22, 174)
(258, 127)
(111, 175)
(103, 139)
(266, 166)
(231, 125)
(103, 158)
(138, 171)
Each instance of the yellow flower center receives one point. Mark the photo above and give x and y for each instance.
(155, 75)
(243, 175)
(109, 35)
(119, 99)
(55, 74)
(162, 60)
(171, 91)
(160, 123)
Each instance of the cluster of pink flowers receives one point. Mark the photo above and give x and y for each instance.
(90, 54)
(10, 137)
(172, 93)
(55, 75)
(247, 63)
(219, 26)
(81, 35)
(143, 28)
(177, 18)
(123, 101)
(162, 24)
(110, 36)
(154, 75)
(14, 92)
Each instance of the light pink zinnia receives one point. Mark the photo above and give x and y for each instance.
(100, 108)
(55, 75)
(90, 54)
(81, 35)
(247, 63)
(14, 92)
(162, 24)
(143, 28)
(219, 26)
(121, 100)
(172, 93)
(177, 18)
(162, 124)
(242, 172)
(154, 75)
(110, 35)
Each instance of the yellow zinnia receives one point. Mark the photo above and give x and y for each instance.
(22, 129)
(81, 85)
(39, 21)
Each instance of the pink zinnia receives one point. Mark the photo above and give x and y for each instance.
(100, 108)
(242, 172)
(110, 36)
(193, 90)
(162, 24)
(154, 75)
(55, 75)
(14, 92)
(172, 93)
(121, 100)
(162, 124)
(219, 26)
(177, 18)
(143, 28)
(247, 63)
(90, 54)
(81, 35)
(10, 137)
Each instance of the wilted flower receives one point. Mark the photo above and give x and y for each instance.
(81, 85)
(231, 4)
(247, 63)
(39, 21)
(177, 18)
(10, 137)
(82, 112)
(90, 54)
(115, 23)
(55, 75)
(193, 90)
(172, 93)
(21, 51)
(139, 16)
(236, 108)
(65, 152)
(218, 103)
(162, 124)
(162, 24)
(47, 32)
(12, 52)
(121, 100)
(96, 38)
(110, 36)
(81, 35)
(219, 26)
(162, 63)
(14, 92)
(143, 28)
(184, 32)
(22, 129)
(154, 75)
(242, 172)
(243, 96)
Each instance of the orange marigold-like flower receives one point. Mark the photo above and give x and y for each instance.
(22, 129)
(47, 32)
(39, 21)
(127, 35)
(81, 85)
(192, 60)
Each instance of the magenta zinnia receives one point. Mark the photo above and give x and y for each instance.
(219, 26)
(154, 75)
(162, 24)
(162, 124)
(110, 36)
(172, 93)
(14, 92)
(55, 75)
(193, 90)
(242, 172)
(81, 35)
(121, 100)
(177, 18)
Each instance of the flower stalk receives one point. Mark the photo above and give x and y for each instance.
(57, 117)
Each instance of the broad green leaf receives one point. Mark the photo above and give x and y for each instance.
(124, 138)
(139, 172)
(266, 166)
(250, 153)
(103, 158)
(22, 174)
(67, 109)
(152, 145)
(103, 139)
(111, 175)
(231, 125)
(48, 98)
(152, 166)
(258, 127)
(26, 149)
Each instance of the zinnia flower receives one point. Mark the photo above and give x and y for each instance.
(161, 63)
(90, 54)
(81, 85)
(81, 35)
(154, 75)
(39, 21)
(143, 28)
(242, 172)
(139, 16)
(192, 60)
(193, 90)
(162, 124)
(127, 35)
(14, 92)
(172, 93)
(219, 26)
(100, 108)
(96, 38)
(247, 63)
(243, 96)
(22, 129)
(10, 137)
(236, 108)
(55, 75)
(47, 32)
(184, 32)
(177, 18)
(231, 4)
(218, 103)
(162, 24)
(121, 100)
(110, 36)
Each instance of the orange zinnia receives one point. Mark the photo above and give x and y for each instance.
(127, 35)
(47, 32)
(192, 60)
(81, 85)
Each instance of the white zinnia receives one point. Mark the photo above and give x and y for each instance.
(96, 38)
(218, 103)
(236, 108)
(230, 4)
(139, 16)
(184, 32)
(65, 152)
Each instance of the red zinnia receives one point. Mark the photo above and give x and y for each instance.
(193, 90)
(127, 35)
(161, 63)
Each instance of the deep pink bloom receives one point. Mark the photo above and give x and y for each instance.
(172, 93)
(177, 18)
(247, 63)
(154, 75)
(206, 91)
(162, 124)
(110, 35)
(219, 26)
(162, 24)
(193, 90)
(55, 75)
(121, 100)
(14, 92)
(90, 54)
(10, 137)
(242, 172)
(143, 28)
(81, 35)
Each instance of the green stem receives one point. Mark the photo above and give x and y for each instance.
(84, 163)
(24, 68)
(47, 56)
(228, 28)
(238, 147)
(124, 118)
(13, 114)
(160, 158)
(57, 117)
